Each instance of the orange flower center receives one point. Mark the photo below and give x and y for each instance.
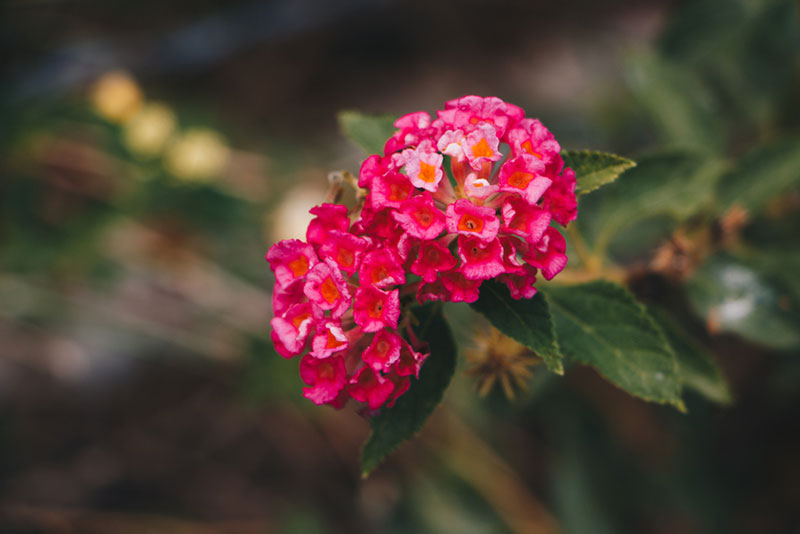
(527, 147)
(376, 310)
(520, 179)
(298, 319)
(399, 192)
(332, 342)
(299, 266)
(482, 150)
(427, 173)
(423, 217)
(470, 223)
(345, 257)
(378, 274)
(329, 290)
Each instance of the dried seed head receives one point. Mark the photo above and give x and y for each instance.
(496, 358)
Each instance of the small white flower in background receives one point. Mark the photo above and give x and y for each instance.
(149, 130)
(116, 96)
(291, 218)
(197, 155)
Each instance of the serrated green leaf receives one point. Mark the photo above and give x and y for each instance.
(595, 169)
(762, 174)
(369, 132)
(392, 426)
(734, 297)
(601, 324)
(526, 320)
(697, 368)
(673, 184)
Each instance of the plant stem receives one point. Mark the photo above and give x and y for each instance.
(590, 262)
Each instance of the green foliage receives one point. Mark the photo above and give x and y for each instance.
(601, 324)
(697, 368)
(394, 425)
(676, 184)
(678, 102)
(369, 132)
(734, 297)
(526, 320)
(762, 174)
(595, 169)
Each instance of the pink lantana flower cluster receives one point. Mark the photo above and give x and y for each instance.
(453, 201)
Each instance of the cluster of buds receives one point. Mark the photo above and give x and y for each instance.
(443, 210)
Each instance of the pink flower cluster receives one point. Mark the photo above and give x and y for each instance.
(445, 209)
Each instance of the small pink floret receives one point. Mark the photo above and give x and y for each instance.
(432, 292)
(383, 351)
(531, 137)
(326, 377)
(374, 309)
(461, 289)
(293, 327)
(520, 285)
(424, 166)
(524, 175)
(372, 168)
(410, 361)
(482, 145)
(390, 190)
(549, 254)
(381, 268)
(284, 297)
(432, 259)
(330, 338)
(328, 217)
(524, 220)
(291, 260)
(420, 218)
(480, 260)
(344, 249)
(326, 287)
(452, 143)
(560, 198)
(370, 387)
(464, 217)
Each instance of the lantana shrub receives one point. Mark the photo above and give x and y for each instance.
(474, 194)
(468, 207)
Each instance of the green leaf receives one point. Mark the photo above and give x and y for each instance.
(698, 370)
(526, 320)
(601, 324)
(734, 297)
(679, 103)
(369, 132)
(392, 426)
(762, 174)
(676, 184)
(595, 169)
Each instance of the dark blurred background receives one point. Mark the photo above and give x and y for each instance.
(150, 153)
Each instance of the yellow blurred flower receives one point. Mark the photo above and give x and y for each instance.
(198, 154)
(291, 218)
(498, 359)
(116, 96)
(147, 133)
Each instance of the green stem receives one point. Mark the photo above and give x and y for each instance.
(590, 262)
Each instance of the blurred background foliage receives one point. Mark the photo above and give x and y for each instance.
(151, 152)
